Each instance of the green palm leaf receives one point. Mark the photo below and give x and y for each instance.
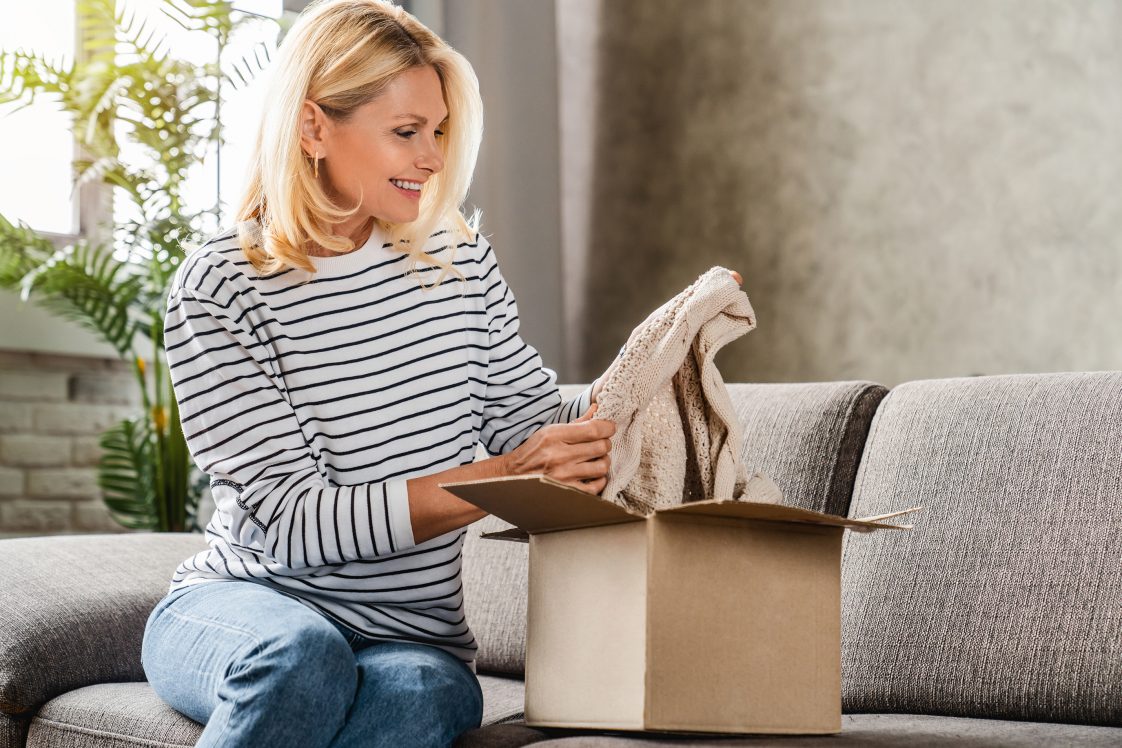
(21, 251)
(126, 474)
(25, 74)
(87, 285)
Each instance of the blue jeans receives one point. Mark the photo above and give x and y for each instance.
(259, 668)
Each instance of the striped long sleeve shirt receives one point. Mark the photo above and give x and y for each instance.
(310, 405)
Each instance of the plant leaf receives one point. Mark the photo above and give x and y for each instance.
(86, 284)
(126, 473)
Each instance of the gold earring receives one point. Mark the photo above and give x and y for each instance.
(315, 169)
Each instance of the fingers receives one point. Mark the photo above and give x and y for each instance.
(589, 470)
(594, 487)
(585, 429)
(736, 277)
(566, 452)
(591, 450)
(585, 460)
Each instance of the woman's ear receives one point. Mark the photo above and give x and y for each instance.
(314, 128)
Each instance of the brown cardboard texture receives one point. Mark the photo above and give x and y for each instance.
(714, 616)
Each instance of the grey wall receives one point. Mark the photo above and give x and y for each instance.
(512, 46)
(910, 190)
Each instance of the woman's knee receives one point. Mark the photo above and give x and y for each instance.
(306, 673)
(309, 655)
(429, 693)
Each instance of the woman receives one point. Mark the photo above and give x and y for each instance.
(336, 356)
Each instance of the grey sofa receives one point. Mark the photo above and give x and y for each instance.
(996, 621)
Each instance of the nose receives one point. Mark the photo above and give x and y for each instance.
(431, 158)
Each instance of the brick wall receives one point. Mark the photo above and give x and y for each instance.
(52, 411)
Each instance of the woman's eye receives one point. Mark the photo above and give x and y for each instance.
(410, 133)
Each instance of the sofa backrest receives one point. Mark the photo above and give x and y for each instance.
(73, 610)
(806, 437)
(1005, 601)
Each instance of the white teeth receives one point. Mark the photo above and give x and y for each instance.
(407, 185)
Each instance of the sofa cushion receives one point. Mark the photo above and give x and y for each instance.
(1003, 602)
(858, 730)
(504, 699)
(13, 731)
(494, 577)
(74, 609)
(115, 715)
(807, 437)
(111, 715)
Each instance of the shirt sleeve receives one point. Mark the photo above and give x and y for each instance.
(242, 430)
(522, 394)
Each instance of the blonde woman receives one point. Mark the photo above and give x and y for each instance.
(335, 355)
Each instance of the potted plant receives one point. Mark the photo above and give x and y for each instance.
(118, 289)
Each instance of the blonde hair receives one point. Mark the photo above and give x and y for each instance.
(342, 54)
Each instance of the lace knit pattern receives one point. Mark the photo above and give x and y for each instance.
(677, 437)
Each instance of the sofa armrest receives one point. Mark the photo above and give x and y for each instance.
(73, 609)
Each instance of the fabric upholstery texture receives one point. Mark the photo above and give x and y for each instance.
(113, 715)
(74, 608)
(131, 714)
(494, 575)
(1005, 601)
(13, 731)
(504, 699)
(677, 439)
(858, 730)
(509, 735)
(808, 437)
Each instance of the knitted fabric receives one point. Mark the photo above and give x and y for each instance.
(677, 436)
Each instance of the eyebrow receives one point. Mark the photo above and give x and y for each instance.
(419, 118)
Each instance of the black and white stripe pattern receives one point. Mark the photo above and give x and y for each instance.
(311, 405)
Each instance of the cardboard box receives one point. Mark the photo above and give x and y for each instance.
(716, 616)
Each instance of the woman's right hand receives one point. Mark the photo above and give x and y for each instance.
(572, 453)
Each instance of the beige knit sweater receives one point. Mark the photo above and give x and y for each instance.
(677, 436)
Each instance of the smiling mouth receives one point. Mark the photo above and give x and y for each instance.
(413, 194)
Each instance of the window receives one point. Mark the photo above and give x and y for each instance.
(220, 174)
(38, 146)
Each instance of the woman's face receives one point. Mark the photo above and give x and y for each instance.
(390, 140)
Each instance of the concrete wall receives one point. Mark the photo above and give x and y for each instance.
(511, 44)
(910, 190)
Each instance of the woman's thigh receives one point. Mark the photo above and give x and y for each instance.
(410, 694)
(197, 640)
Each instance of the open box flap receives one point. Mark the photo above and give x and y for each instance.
(537, 503)
(775, 513)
